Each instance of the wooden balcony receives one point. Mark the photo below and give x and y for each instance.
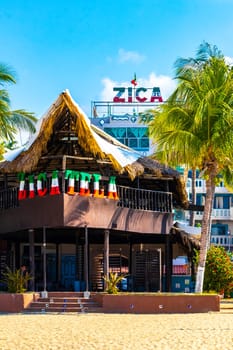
(141, 199)
(135, 210)
(9, 198)
(133, 198)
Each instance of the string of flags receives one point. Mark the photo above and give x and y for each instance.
(39, 185)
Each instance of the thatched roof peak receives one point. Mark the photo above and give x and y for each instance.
(66, 139)
(66, 120)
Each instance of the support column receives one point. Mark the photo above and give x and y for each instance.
(130, 286)
(168, 262)
(78, 276)
(160, 269)
(86, 272)
(106, 256)
(57, 264)
(79, 264)
(12, 260)
(44, 260)
(31, 234)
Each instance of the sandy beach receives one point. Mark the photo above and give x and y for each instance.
(116, 331)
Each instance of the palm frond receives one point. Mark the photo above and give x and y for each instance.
(23, 120)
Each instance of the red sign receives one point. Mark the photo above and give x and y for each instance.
(141, 95)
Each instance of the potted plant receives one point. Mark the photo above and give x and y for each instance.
(112, 282)
(16, 281)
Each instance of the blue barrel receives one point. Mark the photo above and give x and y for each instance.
(77, 286)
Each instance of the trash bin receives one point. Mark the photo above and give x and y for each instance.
(77, 286)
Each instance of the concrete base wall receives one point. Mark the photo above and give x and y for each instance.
(128, 303)
(10, 302)
(158, 303)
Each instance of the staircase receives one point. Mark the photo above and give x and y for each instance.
(58, 302)
(226, 306)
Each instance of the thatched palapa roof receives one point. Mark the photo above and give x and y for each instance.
(66, 117)
(65, 138)
(187, 240)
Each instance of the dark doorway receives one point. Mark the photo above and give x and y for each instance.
(146, 271)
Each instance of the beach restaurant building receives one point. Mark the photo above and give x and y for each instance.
(76, 204)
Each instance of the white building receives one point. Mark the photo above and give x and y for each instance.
(120, 118)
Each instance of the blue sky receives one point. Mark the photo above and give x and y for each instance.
(90, 46)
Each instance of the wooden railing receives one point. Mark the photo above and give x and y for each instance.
(141, 199)
(9, 198)
(133, 198)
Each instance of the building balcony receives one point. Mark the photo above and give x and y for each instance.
(127, 197)
(222, 240)
(129, 209)
(217, 214)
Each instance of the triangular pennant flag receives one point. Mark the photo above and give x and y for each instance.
(134, 80)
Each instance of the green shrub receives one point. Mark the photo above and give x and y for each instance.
(15, 281)
(112, 282)
(218, 271)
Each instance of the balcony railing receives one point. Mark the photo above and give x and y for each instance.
(9, 198)
(222, 240)
(217, 214)
(133, 198)
(141, 199)
(221, 213)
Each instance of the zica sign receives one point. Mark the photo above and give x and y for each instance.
(141, 94)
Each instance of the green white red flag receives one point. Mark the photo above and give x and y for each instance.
(134, 80)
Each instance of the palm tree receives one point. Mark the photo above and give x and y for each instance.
(195, 128)
(12, 121)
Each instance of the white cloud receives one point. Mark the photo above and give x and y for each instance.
(130, 56)
(167, 85)
(229, 60)
(107, 92)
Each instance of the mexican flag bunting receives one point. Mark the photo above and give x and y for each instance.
(112, 191)
(85, 178)
(40, 190)
(134, 80)
(97, 192)
(55, 183)
(71, 175)
(22, 192)
(31, 186)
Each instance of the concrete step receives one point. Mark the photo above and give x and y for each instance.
(226, 306)
(65, 294)
(63, 302)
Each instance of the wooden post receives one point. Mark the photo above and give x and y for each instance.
(78, 276)
(44, 260)
(58, 263)
(63, 181)
(32, 258)
(168, 262)
(130, 279)
(86, 259)
(106, 256)
(160, 269)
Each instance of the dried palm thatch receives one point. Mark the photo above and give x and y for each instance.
(190, 242)
(92, 140)
(66, 120)
(156, 170)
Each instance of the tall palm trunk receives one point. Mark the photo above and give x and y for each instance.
(205, 232)
(192, 216)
